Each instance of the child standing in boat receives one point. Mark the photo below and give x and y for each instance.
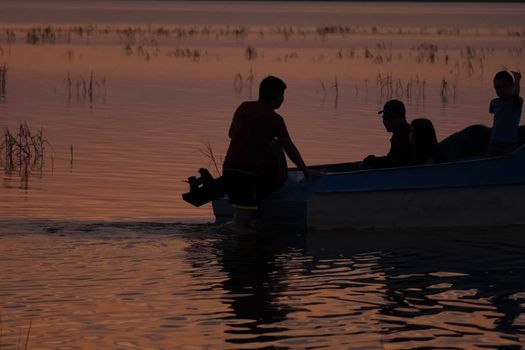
(507, 113)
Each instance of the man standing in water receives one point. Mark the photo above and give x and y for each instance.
(254, 132)
(394, 120)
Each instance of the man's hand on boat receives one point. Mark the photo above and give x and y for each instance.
(311, 174)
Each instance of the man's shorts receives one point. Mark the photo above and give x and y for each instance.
(242, 188)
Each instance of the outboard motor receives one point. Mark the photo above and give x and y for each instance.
(203, 189)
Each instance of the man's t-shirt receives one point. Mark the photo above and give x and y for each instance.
(252, 130)
(399, 154)
(507, 113)
(400, 148)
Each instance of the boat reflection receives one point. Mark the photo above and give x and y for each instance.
(408, 289)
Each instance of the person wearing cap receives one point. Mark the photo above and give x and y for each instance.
(394, 120)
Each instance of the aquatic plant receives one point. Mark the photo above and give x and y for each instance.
(286, 57)
(249, 82)
(426, 52)
(161, 31)
(286, 32)
(207, 151)
(390, 86)
(10, 36)
(3, 80)
(70, 55)
(323, 89)
(86, 90)
(24, 152)
(46, 35)
(444, 90)
(132, 34)
(71, 156)
(27, 335)
(385, 85)
(250, 53)
(239, 83)
(193, 54)
(19, 335)
(336, 88)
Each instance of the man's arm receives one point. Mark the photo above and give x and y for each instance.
(295, 156)
(374, 162)
(399, 155)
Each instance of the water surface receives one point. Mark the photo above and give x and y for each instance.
(92, 247)
(146, 285)
(162, 89)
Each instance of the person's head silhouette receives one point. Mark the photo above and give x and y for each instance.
(394, 115)
(271, 91)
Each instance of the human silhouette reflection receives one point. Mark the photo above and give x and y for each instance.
(257, 278)
(416, 289)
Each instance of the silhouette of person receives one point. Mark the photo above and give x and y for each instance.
(423, 141)
(254, 282)
(256, 132)
(507, 113)
(394, 120)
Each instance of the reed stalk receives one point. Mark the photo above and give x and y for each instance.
(19, 338)
(71, 156)
(3, 80)
(208, 152)
(336, 87)
(27, 335)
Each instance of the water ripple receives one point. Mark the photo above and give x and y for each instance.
(149, 285)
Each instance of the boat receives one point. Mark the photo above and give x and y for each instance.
(477, 191)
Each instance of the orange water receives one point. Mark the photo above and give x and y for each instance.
(87, 254)
(139, 133)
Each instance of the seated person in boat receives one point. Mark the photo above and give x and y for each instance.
(423, 141)
(255, 131)
(394, 120)
(507, 113)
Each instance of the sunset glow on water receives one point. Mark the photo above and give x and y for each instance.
(99, 250)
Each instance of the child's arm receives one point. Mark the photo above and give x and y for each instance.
(517, 78)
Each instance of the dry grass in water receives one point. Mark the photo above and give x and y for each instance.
(3, 80)
(23, 152)
(86, 90)
(208, 152)
(240, 83)
(19, 342)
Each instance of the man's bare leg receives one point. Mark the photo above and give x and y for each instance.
(243, 218)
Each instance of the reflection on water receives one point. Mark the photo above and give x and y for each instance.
(152, 285)
(127, 105)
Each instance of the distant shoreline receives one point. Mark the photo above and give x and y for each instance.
(420, 1)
